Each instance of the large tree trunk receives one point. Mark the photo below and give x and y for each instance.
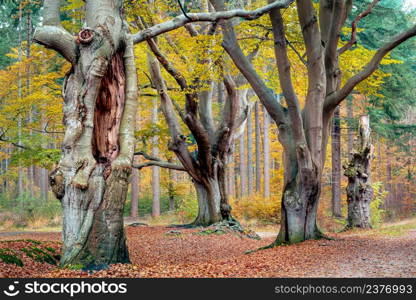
(209, 199)
(212, 197)
(336, 164)
(359, 190)
(299, 202)
(100, 93)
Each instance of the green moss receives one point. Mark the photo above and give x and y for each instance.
(40, 255)
(9, 256)
(75, 266)
(211, 231)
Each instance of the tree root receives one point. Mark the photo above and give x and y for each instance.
(320, 235)
(270, 246)
(185, 226)
(230, 226)
(225, 226)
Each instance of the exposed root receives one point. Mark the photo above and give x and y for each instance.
(230, 226)
(270, 246)
(278, 242)
(185, 226)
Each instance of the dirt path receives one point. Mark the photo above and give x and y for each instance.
(374, 256)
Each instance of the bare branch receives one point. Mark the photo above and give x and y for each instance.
(332, 100)
(353, 38)
(206, 17)
(147, 156)
(162, 164)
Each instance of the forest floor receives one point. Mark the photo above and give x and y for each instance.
(157, 251)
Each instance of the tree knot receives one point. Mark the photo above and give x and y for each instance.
(85, 36)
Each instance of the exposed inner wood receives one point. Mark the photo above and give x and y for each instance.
(108, 111)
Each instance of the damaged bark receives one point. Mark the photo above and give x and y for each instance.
(359, 190)
(99, 95)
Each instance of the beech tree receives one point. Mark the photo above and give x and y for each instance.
(303, 132)
(207, 165)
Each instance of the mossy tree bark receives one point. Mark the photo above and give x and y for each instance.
(100, 96)
(359, 190)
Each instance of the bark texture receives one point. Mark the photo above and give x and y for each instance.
(336, 164)
(100, 94)
(359, 190)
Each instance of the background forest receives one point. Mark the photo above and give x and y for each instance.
(31, 129)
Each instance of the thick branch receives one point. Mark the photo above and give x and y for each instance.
(191, 120)
(283, 66)
(58, 39)
(52, 35)
(334, 99)
(178, 144)
(207, 17)
(266, 95)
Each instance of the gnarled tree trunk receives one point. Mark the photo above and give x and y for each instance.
(100, 94)
(359, 190)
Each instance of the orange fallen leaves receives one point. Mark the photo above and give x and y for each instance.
(155, 254)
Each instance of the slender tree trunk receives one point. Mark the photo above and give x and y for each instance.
(266, 145)
(30, 169)
(336, 164)
(100, 100)
(243, 167)
(359, 190)
(250, 154)
(19, 121)
(258, 151)
(155, 169)
(171, 188)
(350, 130)
(231, 172)
(134, 212)
(389, 180)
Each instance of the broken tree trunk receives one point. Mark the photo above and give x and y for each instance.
(359, 190)
(100, 94)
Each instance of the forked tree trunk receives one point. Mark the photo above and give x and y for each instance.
(100, 94)
(359, 190)
(299, 202)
